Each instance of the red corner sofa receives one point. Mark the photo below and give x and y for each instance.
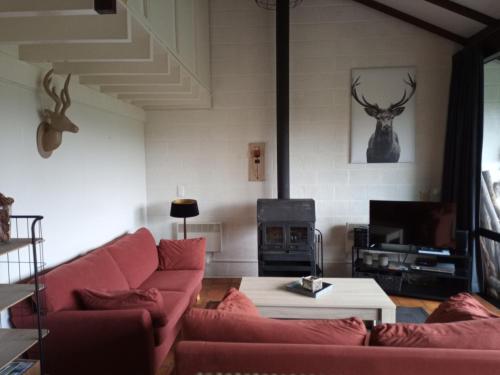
(112, 341)
(461, 338)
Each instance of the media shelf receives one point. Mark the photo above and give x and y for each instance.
(412, 252)
(360, 267)
(400, 279)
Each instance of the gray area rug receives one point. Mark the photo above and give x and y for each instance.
(411, 315)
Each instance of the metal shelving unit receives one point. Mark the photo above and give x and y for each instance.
(411, 282)
(22, 259)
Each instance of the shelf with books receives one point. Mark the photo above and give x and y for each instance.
(23, 259)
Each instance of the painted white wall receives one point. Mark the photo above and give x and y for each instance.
(93, 188)
(206, 150)
(491, 143)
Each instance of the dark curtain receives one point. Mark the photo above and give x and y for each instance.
(463, 148)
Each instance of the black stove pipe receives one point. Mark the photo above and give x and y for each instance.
(282, 97)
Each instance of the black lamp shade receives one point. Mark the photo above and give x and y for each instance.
(184, 208)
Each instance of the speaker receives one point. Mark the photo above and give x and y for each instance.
(462, 242)
(361, 237)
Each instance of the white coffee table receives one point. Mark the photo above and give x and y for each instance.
(362, 298)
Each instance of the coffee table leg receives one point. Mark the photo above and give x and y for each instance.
(388, 316)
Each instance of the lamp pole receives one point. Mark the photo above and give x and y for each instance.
(185, 229)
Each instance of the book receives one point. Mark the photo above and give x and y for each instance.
(16, 368)
(446, 268)
(430, 251)
(296, 287)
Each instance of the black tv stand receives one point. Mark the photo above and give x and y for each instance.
(396, 247)
(451, 275)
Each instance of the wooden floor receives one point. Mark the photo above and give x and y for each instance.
(214, 289)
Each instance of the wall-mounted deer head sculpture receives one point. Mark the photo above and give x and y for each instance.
(383, 146)
(49, 134)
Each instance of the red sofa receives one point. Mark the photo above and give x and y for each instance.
(246, 358)
(111, 341)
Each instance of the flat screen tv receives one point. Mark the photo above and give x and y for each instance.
(412, 224)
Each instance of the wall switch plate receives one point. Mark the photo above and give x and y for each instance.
(181, 191)
(256, 161)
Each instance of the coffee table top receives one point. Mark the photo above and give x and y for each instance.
(346, 293)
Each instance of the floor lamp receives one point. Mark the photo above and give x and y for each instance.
(184, 208)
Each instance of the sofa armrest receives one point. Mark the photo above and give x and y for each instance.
(100, 342)
(194, 357)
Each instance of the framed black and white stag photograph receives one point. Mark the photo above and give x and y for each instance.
(383, 115)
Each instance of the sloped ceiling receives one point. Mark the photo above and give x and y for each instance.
(438, 16)
(462, 21)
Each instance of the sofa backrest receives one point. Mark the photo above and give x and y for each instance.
(195, 357)
(137, 256)
(96, 270)
(120, 265)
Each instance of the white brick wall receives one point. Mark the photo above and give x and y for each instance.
(205, 150)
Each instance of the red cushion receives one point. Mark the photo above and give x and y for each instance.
(214, 325)
(463, 306)
(182, 254)
(96, 270)
(175, 305)
(150, 300)
(472, 334)
(178, 280)
(136, 255)
(237, 302)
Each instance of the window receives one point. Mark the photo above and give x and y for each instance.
(489, 214)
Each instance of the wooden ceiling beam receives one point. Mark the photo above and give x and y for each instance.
(413, 20)
(105, 6)
(464, 11)
(488, 39)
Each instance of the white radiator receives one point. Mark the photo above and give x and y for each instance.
(211, 231)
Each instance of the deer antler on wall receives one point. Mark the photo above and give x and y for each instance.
(55, 122)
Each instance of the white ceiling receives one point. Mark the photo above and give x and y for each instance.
(444, 18)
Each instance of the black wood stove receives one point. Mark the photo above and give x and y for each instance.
(286, 237)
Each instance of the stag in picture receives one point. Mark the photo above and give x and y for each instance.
(384, 144)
